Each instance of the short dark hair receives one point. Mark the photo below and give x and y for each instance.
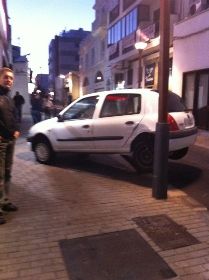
(5, 69)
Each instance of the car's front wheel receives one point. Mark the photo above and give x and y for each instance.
(143, 155)
(43, 151)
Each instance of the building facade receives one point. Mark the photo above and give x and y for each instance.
(191, 61)
(118, 25)
(93, 53)
(122, 23)
(42, 82)
(21, 81)
(64, 54)
(5, 36)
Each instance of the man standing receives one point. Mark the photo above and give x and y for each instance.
(19, 101)
(9, 132)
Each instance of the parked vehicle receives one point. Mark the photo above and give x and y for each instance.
(115, 122)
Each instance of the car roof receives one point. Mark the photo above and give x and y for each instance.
(141, 91)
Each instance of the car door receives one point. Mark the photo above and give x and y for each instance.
(119, 117)
(73, 131)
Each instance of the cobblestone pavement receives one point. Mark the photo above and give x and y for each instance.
(72, 200)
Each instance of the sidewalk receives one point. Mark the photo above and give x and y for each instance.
(203, 139)
(69, 200)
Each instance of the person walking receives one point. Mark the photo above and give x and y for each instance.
(9, 132)
(19, 101)
(36, 107)
(47, 106)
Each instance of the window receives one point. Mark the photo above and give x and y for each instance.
(121, 104)
(86, 61)
(83, 109)
(118, 78)
(92, 56)
(85, 82)
(99, 77)
(156, 19)
(175, 103)
(102, 49)
(114, 13)
(130, 77)
(123, 27)
(127, 3)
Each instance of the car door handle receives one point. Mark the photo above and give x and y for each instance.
(85, 126)
(129, 122)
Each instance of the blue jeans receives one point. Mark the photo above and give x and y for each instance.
(6, 161)
(36, 116)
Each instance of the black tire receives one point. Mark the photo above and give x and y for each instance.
(43, 151)
(178, 154)
(143, 155)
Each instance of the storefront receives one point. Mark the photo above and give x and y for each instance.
(191, 65)
(196, 95)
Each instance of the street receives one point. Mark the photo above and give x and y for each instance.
(190, 174)
(70, 210)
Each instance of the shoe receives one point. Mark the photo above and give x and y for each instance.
(9, 207)
(2, 219)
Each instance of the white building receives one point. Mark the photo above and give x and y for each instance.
(108, 55)
(21, 73)
(191, 64)
(93, 54)
(5, 36)
(119, 24)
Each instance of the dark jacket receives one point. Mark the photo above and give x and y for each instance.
(8, 119)
(18, 100)
(36, 103)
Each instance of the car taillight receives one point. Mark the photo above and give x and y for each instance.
(172, 123)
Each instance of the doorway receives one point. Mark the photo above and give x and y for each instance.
(196, 96)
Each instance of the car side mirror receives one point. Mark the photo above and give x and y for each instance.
(60, 118)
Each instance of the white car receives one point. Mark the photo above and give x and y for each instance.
(115, 122)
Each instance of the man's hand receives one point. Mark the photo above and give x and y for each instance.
(16, 134)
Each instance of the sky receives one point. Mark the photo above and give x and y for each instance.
(36, 22)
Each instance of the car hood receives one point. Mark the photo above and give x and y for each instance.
(42, 126)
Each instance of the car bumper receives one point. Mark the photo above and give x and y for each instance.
(182, 139)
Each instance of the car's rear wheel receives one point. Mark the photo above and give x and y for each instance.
(143, 155)
(43, 151)
(178, 154)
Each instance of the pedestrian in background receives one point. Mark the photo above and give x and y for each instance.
(36, 107)
(47, 106)
(9, 132)
(19, 101)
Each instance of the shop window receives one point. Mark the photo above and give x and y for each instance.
(149, 75)
(130, 77)
(118, 78)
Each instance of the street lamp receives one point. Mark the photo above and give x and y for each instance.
(160, 175)
(140, 46)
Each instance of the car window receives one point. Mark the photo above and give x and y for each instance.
(175, 103)
(121, 104)
(83, 109)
